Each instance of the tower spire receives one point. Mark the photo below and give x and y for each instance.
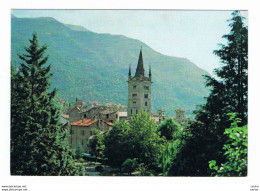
(150, 71)
(129, 73)
(140, 66)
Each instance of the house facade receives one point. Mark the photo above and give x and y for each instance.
(81, 132)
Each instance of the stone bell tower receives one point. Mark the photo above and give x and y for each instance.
(139, 89)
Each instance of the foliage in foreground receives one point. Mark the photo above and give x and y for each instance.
(38, 141)
(137, 139)
(96, 144)
(205, 138)
(235, 151)
(129, 165)
(169, 129)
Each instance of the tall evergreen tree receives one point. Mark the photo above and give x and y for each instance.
(38, 140)
(204, 138)
(230, 89)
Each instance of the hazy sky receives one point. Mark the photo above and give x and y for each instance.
(190, 34)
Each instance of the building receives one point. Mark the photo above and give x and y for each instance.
(159, 117)
(122, 115)
(108, 113)
(181, 118)
(84, 119)
(139, 89)
(81, 132)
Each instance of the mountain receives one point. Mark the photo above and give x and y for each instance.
(77, 27)
(94, 66)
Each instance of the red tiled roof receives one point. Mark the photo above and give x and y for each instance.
(83, 122)
(108, 123)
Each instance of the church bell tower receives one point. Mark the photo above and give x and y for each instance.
(139, 89)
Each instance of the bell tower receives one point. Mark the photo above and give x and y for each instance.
(139, 89)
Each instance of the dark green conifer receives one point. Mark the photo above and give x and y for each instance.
(38, 140)
(229, 91)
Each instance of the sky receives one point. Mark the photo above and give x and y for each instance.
(189, 34)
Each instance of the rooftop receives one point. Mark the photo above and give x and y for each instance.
(83, 122)
(108, 123)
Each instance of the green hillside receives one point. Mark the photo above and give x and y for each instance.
(94, 66)
(77, 27)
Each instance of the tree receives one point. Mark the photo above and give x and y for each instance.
(167, 157)
(235, 151)
(169, 129)
(233, 75)
(137, 139)
(129, 165)
(172, 131)
(38, 141)
(230, 90)
(117, 144)
(144, 143)
(78, 152)
(205, 137)
(193, 151)
(96, 144)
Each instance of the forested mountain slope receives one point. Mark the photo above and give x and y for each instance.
(94, 66)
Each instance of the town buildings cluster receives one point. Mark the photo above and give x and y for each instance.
(82, 120)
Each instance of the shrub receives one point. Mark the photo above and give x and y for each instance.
(129, 165)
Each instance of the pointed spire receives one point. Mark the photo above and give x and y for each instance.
(150, 71)
(129, 73)
(76, 103)
(140, 67)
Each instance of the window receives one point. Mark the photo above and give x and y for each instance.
(136, 111)
(145, 103)
(146, 87)
(134, 102)
(145, 95)
(134, 95)
(131, 111)
(134, 87)
(85, 115)
(116, 116)
(82, 132)
(107, 116)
